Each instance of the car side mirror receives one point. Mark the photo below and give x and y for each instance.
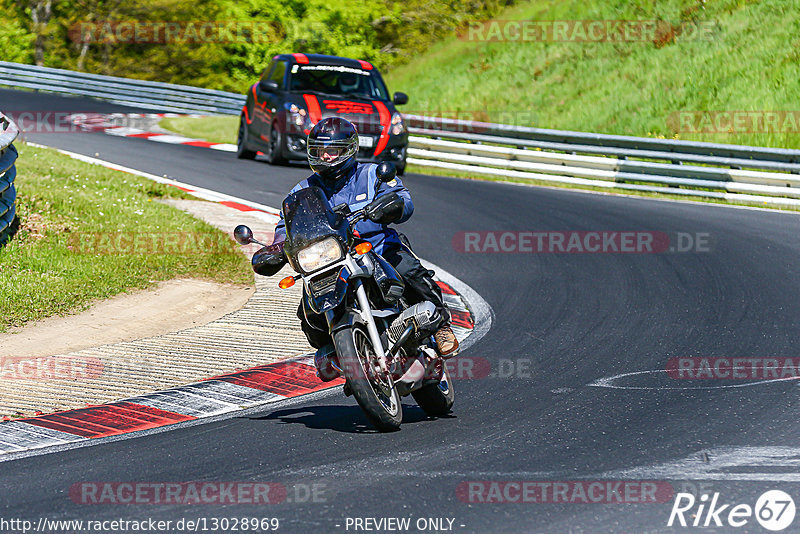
(270, 86)
(400, 98)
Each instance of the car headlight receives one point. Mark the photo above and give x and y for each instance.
(397, 124)
(297, 115)
(320, 255)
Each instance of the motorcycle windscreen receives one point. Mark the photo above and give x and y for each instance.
(308, 219)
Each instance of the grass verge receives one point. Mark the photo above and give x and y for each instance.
(89, 233)
(214, 128)
(727, 55)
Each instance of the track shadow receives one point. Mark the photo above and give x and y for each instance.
(341, 418)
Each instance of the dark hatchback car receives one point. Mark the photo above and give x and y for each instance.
(297, 90)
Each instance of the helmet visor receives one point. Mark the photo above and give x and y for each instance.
(327, 154)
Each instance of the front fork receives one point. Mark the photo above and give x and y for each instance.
(365, 310)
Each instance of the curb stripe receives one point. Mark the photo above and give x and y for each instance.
(101, 123)
(204, 144)
(446, 289)
(462, 319)
(289, 379)
(108, 420)
(236, 205)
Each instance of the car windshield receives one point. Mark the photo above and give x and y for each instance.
(337, 80)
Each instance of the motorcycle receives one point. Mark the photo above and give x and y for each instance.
(382, 347)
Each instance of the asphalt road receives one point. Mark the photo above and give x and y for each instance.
(562, 322)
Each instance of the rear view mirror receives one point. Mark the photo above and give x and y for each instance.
(386, 172)
(269, 86)
(243, 235)
(400, 98)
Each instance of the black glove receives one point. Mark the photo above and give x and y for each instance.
(269, 260)
(386, 209)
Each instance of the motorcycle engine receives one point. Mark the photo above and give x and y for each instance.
(422, 316)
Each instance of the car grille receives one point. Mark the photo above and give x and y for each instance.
(366, 152)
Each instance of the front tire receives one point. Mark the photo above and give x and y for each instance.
(436, 399)
(374, 392)
(242, 151)
(276, 146)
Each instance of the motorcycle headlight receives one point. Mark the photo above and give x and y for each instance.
(320, 255)
(397, 124)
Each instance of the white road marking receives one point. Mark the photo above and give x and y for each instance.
(608, 382)
(171, 139)
(224, 147)
(722, 464)
(123, 131)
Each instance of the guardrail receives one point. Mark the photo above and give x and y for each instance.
(732, 172)
(136, 93)
(729, 172)
(8, 194)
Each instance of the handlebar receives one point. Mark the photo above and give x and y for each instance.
(357, 216)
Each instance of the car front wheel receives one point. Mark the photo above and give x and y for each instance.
(242, 150)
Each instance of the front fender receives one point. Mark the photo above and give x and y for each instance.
(347, 319)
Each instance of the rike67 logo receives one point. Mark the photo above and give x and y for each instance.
(774, 510)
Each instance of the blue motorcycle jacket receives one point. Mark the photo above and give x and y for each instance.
(357, 189)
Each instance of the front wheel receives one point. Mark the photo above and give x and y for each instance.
(436, 399)
(374, 391)
(242, 150)
(276, 146)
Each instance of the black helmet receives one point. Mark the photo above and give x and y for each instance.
(332, 146)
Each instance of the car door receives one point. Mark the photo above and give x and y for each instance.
(257, 113)
(270, 92)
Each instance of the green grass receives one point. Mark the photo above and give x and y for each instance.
(68, 253)
(751, 63)
(214, 128)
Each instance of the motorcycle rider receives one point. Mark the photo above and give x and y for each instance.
(332, 146)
